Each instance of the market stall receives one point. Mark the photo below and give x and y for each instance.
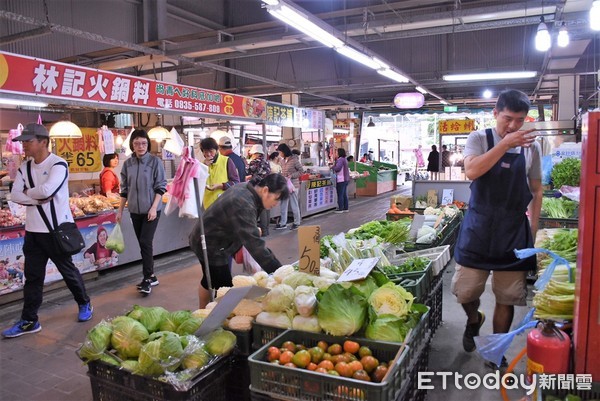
(379, 177)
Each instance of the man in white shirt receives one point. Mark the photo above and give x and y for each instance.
(39, 183)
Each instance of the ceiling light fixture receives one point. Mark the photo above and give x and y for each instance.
(393, 75)
(420, 89)
(371, 123)
(542, 38)
(487, 94)
(304, 25)
(563, 36)
(358, 56)
(595, 16)
(23, 103)
(490, 75)
(65, 129)
(159, 133)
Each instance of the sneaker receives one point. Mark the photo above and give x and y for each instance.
(338, 211)
(153, 282)
(85, 312)
(502, 368)
(472, 331)
(146, 287)
(280, 227)
(294, 226)
(22, 327)
(346, 211)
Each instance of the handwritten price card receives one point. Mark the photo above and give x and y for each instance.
(309, 247)
(359, 269)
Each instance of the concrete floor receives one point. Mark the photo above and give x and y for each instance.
(44, 366)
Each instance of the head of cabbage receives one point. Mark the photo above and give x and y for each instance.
(128, 336)
(174, 319)
(341, 311)
(279, 299)
(152, 317)
(220, 342)
(391, 299)
(96, 341)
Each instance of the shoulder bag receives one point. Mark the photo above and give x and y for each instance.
(66, 236)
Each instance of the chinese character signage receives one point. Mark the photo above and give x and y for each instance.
(49, 79)
(453, 127)
(319, 193)
(279, 114)
(82, 154)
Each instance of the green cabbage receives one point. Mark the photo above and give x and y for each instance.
(342, 311)
(279, 299)
(153, 317)
(174, 319)
(130, 365)
(196, 359)
(108, 358)
(128, 336)
(189, 326)
(136, 312)
(366, 286)
(297, 279)
(96, 341)
(171, 350)
(391, 299)
(149, 359)
(387, 328)
(220, 342)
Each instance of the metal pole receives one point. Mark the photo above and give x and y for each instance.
(202, 236)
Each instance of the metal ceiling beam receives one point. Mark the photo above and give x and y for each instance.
(32, 33)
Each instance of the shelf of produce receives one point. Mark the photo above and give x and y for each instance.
(547, 222)
(381, 178)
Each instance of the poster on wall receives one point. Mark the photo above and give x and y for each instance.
(95, 230)
(81, 154)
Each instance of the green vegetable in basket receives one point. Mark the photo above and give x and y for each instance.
(96, 341)
(174, 319)
(136, 312)
(366, 286)
(153, 317)
(196, 359)
(342, 311)
(149, 360)
(387, 328)
(391, 299)
(220, 342)
(128, 336)
(111, 360)
(130, 365)
(567, 172)
(189, 326)
(559, 208)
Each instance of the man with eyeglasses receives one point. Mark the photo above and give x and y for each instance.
(41, 184)
(143, 184)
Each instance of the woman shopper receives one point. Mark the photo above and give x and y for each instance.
(290, 169)
(274, 162)
(433, 162)
(109, 182)
(258, 169)
(230, 223)
(143, 184)
(342, 179)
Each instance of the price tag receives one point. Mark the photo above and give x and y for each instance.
(447, 196)
(359, 269)
(309, 238)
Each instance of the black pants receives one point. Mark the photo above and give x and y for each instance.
(37, 249)
(144, 231)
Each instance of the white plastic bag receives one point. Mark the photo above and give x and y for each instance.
(174, 144)
(250, 265)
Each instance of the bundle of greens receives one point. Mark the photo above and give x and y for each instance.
(556, 301)
(564, 244)
(412, 264)
(392, 232)
(559, 208)
(567, 172)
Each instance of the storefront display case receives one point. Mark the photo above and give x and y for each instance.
(381, 178)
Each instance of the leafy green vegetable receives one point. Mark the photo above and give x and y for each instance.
(412, 264)
(174, 319)
(559, 208)
(189, 326)
(152, 317)
(391, 299)
(220, 342)
(96, 341)
(567, 172)
(128, 336)
(342, 311)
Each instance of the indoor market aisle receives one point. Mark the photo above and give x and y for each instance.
(44, 366)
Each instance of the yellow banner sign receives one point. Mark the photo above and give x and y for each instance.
(82, 154)
(453, 127)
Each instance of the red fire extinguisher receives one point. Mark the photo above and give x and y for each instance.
(548, 350)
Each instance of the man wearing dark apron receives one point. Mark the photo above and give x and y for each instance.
(505, 167)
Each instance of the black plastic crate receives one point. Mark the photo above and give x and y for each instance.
(111, 383)
(419, 338)
(243, 342)
(290, 384)
(434, 301)
(238, 381)
(262, 334)
(547, 222)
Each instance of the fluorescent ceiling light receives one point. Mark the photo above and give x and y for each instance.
(490, 75)
(443, 102)
(271, 2)
(382, 64)
(26, 103)
(595, 16)
(358, 56)
(241, 122)
(302, 23)
(423, 91)
(393, 75)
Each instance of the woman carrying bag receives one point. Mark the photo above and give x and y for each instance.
(291, 169)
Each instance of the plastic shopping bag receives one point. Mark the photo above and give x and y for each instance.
(115, 241)
(250, 265)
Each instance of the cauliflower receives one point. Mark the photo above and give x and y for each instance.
(201, 313)
(243, 281)
(431, 210)
(283, 272)
(450, 211)
(247, 307)
(222, 291)
(240, 323)
(261, 278)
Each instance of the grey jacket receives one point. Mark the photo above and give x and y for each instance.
(141, 179)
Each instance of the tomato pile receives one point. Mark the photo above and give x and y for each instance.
(347, 360)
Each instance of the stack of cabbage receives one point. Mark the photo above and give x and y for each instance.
(154, 342)
(374, 307)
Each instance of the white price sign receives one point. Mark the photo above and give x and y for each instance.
(359, 269)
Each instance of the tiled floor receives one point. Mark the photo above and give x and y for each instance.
(44, 366)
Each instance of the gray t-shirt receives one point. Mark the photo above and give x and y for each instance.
(477, 145)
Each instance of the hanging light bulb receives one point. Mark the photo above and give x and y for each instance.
(119, 140)
(542, 38)
(65, 129)
(595, 16)
(563, 36)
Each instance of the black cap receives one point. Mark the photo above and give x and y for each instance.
(31, 131)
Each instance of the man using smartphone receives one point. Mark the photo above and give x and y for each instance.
(505, 165)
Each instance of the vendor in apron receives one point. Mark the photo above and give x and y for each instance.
(504, 164)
